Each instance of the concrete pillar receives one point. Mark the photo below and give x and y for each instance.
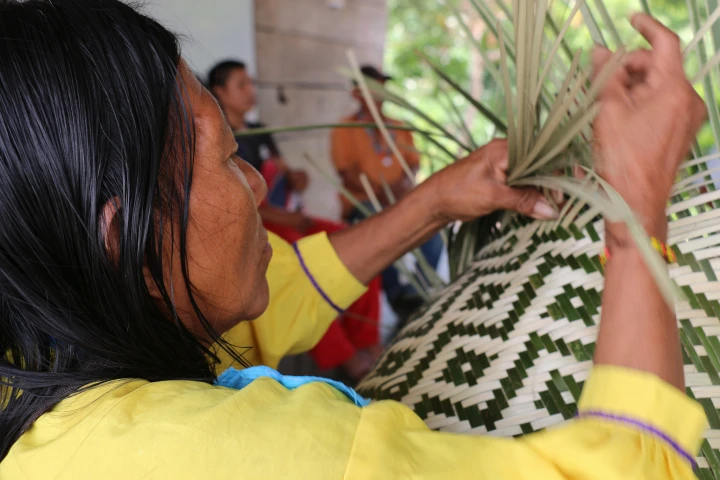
(300, 44)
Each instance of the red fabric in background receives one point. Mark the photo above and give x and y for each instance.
(358, 327)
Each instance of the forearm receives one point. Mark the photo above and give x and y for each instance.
(638, 329)
(369, 247)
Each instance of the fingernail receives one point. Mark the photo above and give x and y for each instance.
(543, 211)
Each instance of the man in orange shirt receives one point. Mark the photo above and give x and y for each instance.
(364, 150)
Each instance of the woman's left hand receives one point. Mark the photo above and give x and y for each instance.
(470, 188)
(477, 185)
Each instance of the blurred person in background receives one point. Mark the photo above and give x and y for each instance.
(234, 89)
(357, 151)
(352, 342)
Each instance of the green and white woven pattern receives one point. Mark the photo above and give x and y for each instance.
(506, 348)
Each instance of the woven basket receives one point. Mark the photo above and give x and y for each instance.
(506, 348)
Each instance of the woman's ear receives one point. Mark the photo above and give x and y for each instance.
(110, 228)
(111, 231)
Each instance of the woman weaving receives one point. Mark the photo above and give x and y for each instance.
(132, 256)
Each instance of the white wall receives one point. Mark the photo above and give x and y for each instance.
(214, 30)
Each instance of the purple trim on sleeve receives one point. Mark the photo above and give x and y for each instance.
(642, 426)
(314, 282)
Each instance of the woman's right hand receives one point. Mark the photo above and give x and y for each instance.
(649, 116)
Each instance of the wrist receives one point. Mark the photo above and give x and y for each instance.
(427, 205)
(617, 234)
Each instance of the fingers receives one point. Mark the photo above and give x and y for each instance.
(600, 57)
(665, 43)
(558, 195)
(615, 85)
(699, 112)
(526, 201)
(579, 172)
(495, 153)
(638, 64)
(501, 162)
(638, 61)
(665, 62)
(630, 80)
(643, 69)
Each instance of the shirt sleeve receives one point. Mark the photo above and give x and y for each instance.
(183, 429)
(630, 425)
(309, 288)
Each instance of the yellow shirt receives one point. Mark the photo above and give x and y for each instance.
(299, 312)
(188, 430)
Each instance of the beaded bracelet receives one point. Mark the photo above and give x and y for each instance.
(665, 251)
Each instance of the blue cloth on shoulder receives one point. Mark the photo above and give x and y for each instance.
(239, 379)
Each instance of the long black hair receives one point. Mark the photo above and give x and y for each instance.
(92, 112)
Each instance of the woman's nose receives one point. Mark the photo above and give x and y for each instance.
(257, 185)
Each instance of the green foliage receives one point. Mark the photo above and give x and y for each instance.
(431, 27)
(538, 83)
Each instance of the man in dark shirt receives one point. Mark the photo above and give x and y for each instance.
(256, 148)
(284, 184)
(235, 92)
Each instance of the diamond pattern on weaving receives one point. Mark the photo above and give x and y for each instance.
(506, 348)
